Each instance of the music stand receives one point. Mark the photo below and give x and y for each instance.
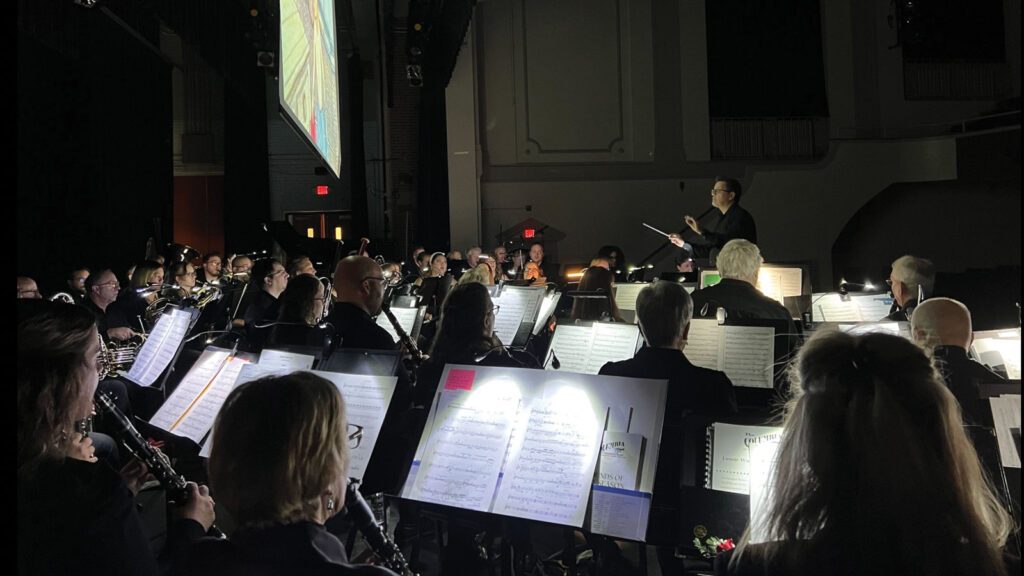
(362, 361)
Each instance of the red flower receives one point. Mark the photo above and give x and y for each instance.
(725, 545)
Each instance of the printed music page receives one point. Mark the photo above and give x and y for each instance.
(160, 346)
(406, 319)
(764, 452)
(513, 305)
(547, 308)
(571, 345)
(366, 402)
(748, 354)
(830, 307)
(873, 307)
(548, 476)
(730, 455)
(465, 442)
(193, 405)
(611, 342)
(288, 361)
(1006, 415)
(777, 283)
(626, 293)
(704, 344)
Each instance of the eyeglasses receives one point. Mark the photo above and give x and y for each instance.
(190, 274)
(888, 282)
(105, 284)
(720, 190)
(494, 309)
(379, 279)
(355, 435)
(33, 293)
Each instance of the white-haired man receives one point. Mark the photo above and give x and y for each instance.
(910, 279)
(738, 265)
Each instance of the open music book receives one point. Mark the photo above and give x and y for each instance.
(160, 347)
(586, 348)
(526, 443)
(625, 298)
(517, 313)
(1006, 418)
(745, 353)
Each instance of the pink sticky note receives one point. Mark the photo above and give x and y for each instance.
(459, 379)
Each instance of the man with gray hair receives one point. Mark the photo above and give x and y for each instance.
(663, 310)
(911, 279)
(738, 265)
(942, 326)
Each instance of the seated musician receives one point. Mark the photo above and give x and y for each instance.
(738, 264)
(211, 268)
(279, 482)
(102, 289)
(465, 336)
(596, 309)
(438, 267)
(942, 326)
(76, 283)
(132, 304)
(910, 277)
(413, 267)
(481, 274)
(27, 288)
(269, 279)
(301, 265)
(548, 270)
(872, 443)
(663, 311)
(501, 263)
(616, 261)
(184, 275)
(301, 306)
(77, 515)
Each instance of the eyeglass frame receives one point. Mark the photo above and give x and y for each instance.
(354, 438)
(382, 280)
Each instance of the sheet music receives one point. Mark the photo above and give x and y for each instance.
(288, 361)
(626, 294)
(571, 344)
(999, 351)
(1006, 415)
(549, 476)
(830, 307)
(160, 346)
(193, 406)
(547, 308)
(467, 441)
(514, 304)
(748, 354)
(764, 453)
(366, 402)
(611, 342)
(406, 319)
(730, 457)
(873, 307)
(703, 344)
(776, 283)
(544, 430)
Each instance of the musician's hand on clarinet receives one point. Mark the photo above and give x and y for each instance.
(135, 474)
(692, 223)
(676, 239)
(199, 506)
(81, 448)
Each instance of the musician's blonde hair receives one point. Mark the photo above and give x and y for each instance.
(278, 443)
(874, 470)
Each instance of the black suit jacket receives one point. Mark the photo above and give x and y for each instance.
(735, 223)
(963, 377)
(691, 390)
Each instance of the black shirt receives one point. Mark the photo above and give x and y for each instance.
(735, 223)
(963, 377)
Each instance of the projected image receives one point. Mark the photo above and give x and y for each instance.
(308, 76)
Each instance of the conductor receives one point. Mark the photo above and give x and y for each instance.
(733, 222)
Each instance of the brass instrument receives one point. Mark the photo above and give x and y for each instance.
(63, 297)
(118, 356)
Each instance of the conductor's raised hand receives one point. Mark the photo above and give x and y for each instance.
(692, 223)
(676, 239)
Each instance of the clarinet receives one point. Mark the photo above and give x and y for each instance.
(156, 461)
(361, 515)
(414, 351)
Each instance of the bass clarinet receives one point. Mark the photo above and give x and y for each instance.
(156, 461)
(362, 517)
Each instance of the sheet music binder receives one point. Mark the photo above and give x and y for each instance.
(734, 441)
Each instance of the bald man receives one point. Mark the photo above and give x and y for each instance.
(943, 326)
(359, 283)
(27, 288)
